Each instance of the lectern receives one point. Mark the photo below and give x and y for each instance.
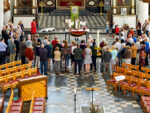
(36, 84)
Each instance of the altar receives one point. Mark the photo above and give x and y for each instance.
(65, 4)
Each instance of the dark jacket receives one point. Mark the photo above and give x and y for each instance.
(37, 50)
(22, 48)
(94, 51)
(78, 53)
(17, 45)
(43, 54)
(107, 56)
(58, 45)
(48, 50)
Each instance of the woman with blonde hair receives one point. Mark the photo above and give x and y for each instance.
(88, 58)
(114, 55)
(57, 58)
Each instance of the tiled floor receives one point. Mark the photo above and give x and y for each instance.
(61, 93)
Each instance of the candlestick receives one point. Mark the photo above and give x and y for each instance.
(75, 90)
(98, 38)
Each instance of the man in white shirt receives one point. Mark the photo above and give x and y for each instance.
(118, 44)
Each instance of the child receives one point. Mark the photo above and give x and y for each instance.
(57, 58)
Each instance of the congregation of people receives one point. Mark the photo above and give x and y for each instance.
(130, 46)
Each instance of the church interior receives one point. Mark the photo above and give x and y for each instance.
(74, 56)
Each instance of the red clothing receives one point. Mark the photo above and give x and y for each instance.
(33, 27)
(132, 32)
(117, 30)
(29, 54)
(54, 42)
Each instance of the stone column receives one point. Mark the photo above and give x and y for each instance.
(137, 6)
(143, 11)
(1, 16)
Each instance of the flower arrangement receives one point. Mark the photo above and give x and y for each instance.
(94, 108)
(98, 51)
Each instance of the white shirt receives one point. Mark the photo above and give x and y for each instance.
(148, 27)
(138, 45)
(131, 40)
(118, 45)
(73, 47)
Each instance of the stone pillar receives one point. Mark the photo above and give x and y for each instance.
(114, 7)
(137, 7)
(143, 11)
(1, 16)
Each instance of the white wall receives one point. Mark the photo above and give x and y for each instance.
(26, 20)
(121, 20)
(7, 17)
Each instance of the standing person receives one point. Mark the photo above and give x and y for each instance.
(147, 49)
(117, 30)
(134, 52)
(43, 59)
(82, 46)
(28, 42)
(65, 54)
(22, 48)
(114, 55)
(107, 56)
(33, 28)
(142, 57)
(57, 58)
(12, 48)
(3, 47)
(45, 40)
(72, 53)
(29, 53)
(78, 57)
(17, 48)
(88, 58)
(48, 54)
(94, 56)
(128, 55)
(37, 59)
(107, 28)
(113, 28)
(54, 42)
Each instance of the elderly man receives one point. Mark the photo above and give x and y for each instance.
(43, 59)
(28, 42)
(3, 47)
(107, 61)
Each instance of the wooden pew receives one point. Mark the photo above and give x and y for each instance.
(10, 102)
(11, 64)
(11, 80)
(14, 69)
(37, 104)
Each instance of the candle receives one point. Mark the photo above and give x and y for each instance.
(15, 3)
(75, 90)
(132, 3)
(98, 38)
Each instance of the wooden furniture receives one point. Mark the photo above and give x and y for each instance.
(37, 104)
(11, 80)
(14, 69)
(1, 104)
(11, 64)
(145, 104)
(36, 84)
